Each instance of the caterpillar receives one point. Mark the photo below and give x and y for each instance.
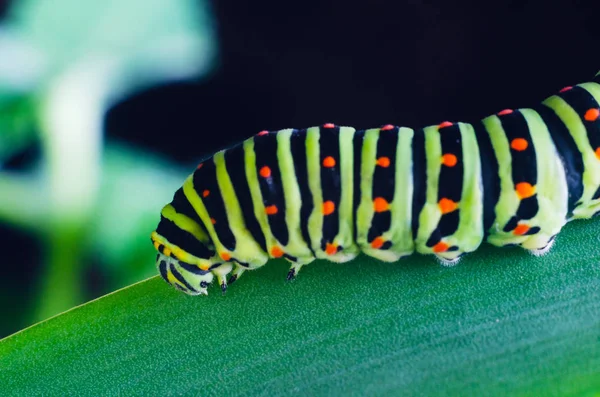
(330, 192)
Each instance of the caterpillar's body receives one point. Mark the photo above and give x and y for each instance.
(513, 178)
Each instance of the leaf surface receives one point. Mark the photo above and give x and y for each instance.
(500, 322)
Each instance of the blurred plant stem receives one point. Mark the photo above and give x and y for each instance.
(72, 124)
(60, 286)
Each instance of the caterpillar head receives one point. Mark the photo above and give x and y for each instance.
(178, 267)
(186, 258)
(184, 276)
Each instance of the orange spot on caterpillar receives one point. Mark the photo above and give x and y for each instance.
(597, 153)
(199, 166)
(383, 162)
(592, 114)
(521, 229)
(380, 205)
(440, 247)
(157, 245)
(225, 256)
(387, 127)
(331, 249)
(328, 207)
(519, 144)
(276, 252)
(377, 242)
(565, 89)
(265, 172)
(263, 132)
(444, 124)
(271, 210)
(205, 193)
(204, 267)
(328, 125)
(524, 190)
(213, 221)
(449, 160)
(167, 251)
(505, 112)
(446, 205)
(328, 162)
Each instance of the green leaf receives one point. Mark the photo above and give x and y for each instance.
(17, 124)
(501, 322)
(169, 39)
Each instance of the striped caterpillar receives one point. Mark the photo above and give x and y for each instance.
(329, 192)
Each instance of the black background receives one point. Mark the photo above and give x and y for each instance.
(364, 64)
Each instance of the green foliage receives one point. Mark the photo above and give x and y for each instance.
(65, 63)
(168, 39)
(501, 322)
(17, 125)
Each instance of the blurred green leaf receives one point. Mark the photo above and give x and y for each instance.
(149, 39)
(17, 124)
(24, 201)
(500, 323)
(135, 185)
(73, 60)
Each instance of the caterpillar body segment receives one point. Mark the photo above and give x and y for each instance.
(384, 192)
(330, 192)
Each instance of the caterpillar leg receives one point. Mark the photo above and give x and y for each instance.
(236, 274)
(449, 262)
(294, 269)
(221, 272)
(545, 249)
(222, 282)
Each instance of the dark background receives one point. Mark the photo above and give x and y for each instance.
(365, 63)
(359, 63)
